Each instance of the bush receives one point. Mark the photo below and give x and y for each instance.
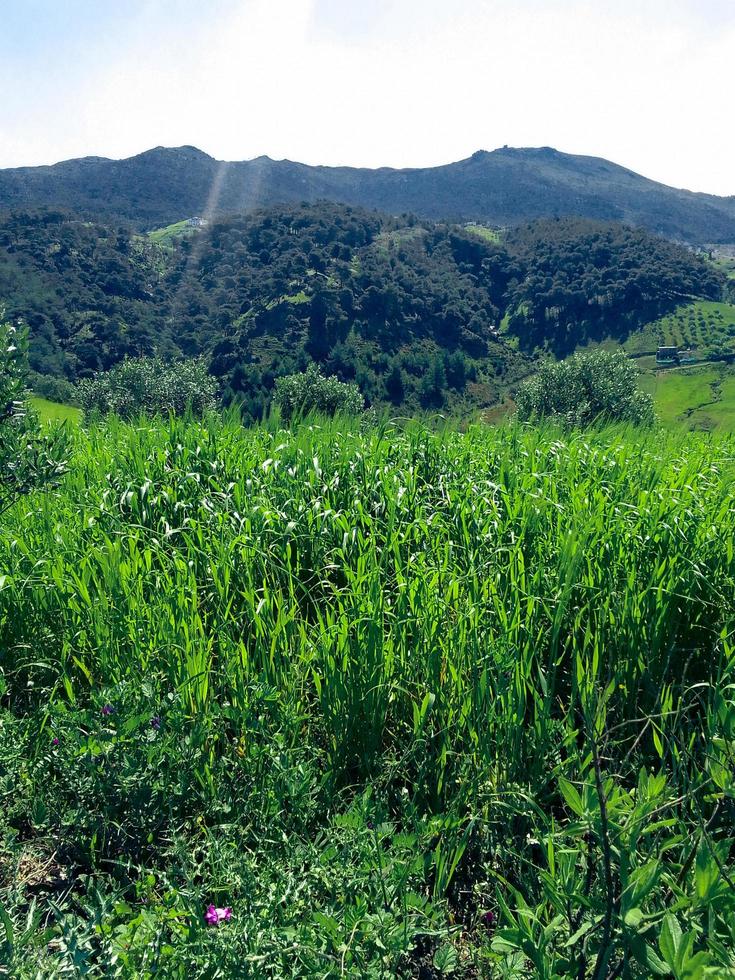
(299, 394)
(150, 386)
(29, 458)
(601, 386)
(55, 389)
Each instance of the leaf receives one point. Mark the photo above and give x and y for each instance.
(446, 959)
(572, 797)
(633, 917)
(647, 957)
(670, 939)
(706, 872)
(8, 926)
(582, 931)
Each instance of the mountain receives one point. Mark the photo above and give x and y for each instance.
(502, 188)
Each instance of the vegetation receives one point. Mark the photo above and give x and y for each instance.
(297, 395)
(701, 397)
(600, 386)
(29, 459)
(409, 311)
(706, 326)
(406, 703)
(150, 386)
(49, 411)
(586, 281)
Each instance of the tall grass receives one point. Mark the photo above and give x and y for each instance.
(493, 640)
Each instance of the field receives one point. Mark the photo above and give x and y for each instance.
(483, 231)
(49, 411)
(409, 703)
(701, 397)
(708, 326)
(169, 234)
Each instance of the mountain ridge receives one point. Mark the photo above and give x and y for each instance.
(506, 186)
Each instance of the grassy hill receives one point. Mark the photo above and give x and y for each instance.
(694, 398)
(499, 188)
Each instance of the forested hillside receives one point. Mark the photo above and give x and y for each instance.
(418, 313)
(586, 280)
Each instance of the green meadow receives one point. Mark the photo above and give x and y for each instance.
(49, 411)
(399, 702)
(701, 397)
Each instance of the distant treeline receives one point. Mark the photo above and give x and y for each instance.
(418, 313)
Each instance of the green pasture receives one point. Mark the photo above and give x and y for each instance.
(701, 397)
(50, 411)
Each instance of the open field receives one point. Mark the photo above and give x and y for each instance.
(701, 397)
(410, 703)
(169, 234)
(54, 411)
(483, 231)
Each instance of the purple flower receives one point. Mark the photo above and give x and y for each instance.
(156, 722)
(54, 741)
(213, 916)
(488, 919)
(107, 710)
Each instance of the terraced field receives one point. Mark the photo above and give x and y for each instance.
(704, 325)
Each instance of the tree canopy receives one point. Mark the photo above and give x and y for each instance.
(415, 313)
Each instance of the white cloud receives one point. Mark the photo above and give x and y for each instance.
(404, 83)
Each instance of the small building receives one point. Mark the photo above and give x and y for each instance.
(667, 355)
(196, 222)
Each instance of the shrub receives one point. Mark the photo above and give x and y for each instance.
(55, 389)
(150, 386)
(299, 394)
(601, 386)
(29, 458)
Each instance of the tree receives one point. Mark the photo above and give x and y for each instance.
(394, 385)
(29, 457)
(150, 386)
(600, 386)
(299, 394)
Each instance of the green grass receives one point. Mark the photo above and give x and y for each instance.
(489, 234)
(694, 398)
(703, 324)
(55, 412)
(167, 235)
(412, 703)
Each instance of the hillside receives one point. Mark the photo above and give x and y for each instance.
(502, 187)
(420, 314)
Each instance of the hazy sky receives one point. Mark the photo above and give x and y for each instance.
(646, 83)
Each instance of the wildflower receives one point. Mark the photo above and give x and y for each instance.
(488, 919)
(213, 916)
(54, 741)
(107, 710)
(156, 722)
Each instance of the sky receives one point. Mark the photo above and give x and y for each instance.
(402, 83)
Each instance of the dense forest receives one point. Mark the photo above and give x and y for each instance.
(586, 280)
(418, 313)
